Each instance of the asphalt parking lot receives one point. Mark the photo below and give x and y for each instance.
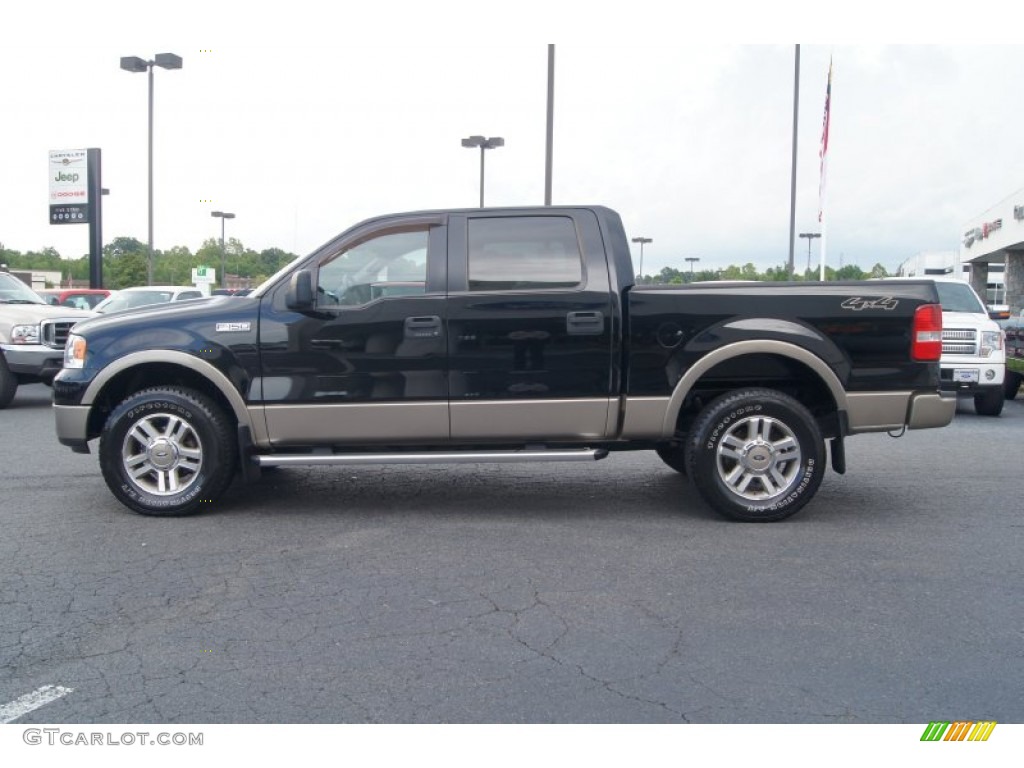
(567, 593)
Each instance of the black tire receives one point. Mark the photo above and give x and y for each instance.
(8, 384)
(189, 457)
(1011, 384)
(756, 455)
(989, 402)
(674, 455)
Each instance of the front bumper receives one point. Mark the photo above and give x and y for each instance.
(72, 423)
(34, 360)
(989, 375)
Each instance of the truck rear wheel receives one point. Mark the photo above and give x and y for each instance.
(989, 402)
(8, 383)
(167, 451)
(756, 455)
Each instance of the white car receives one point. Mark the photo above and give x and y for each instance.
(143, 295)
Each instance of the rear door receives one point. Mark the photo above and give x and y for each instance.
(529, 327)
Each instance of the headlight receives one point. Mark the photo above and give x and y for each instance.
(25, 334)
(991, 341)
(74, 352)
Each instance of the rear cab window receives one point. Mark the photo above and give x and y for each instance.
(523, 254)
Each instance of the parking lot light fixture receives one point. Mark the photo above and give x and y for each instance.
(135, 64)
(642, 241)
(810, 236)
(484, 143)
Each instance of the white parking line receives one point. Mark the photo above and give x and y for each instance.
(30, 701)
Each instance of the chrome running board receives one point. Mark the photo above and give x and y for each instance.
(449, 457)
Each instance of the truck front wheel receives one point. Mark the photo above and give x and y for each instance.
(756, 455)
(674, 456)
(1011, 383)
(167, 451)
(989, 402)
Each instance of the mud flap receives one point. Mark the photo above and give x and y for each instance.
(250, 470)
(838, 451)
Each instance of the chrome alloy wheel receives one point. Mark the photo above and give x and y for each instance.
(162, 454)
(758, 458)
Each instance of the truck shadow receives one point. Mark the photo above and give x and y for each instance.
(550, 491)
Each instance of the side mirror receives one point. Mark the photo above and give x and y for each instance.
(300, 296)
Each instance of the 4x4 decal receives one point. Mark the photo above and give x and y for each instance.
(856, 303)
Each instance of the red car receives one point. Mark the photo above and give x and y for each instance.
(80, 298)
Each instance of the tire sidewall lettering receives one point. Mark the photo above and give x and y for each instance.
(727, 412)
(726, 420)
(209, 424)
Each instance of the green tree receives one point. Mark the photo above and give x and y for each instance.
(850, 272)
(126, 270)
(125, 263)
(122, 245)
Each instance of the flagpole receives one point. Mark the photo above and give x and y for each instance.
(826, 124)
(824, 239)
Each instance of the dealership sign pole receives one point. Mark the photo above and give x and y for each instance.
(76, 198)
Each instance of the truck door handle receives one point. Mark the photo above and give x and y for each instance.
(428, 327)
(584, 323)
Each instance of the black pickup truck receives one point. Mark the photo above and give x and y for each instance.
(499, 335)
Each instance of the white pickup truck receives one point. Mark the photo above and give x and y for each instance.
(973, 347)
(32, 336)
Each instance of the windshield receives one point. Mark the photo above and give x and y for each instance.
(131, 299)
(13, 291)
(959, 297)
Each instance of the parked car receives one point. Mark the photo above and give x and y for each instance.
(32, 337)
(143, 295)
(79, 298)
(973, 359)
(1014, 330)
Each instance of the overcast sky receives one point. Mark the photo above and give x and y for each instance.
(305, 121)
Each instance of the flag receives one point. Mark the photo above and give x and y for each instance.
(823, 153)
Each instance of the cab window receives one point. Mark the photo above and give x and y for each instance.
(523, 253)
(382, 266)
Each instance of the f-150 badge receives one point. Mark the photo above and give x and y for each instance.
(233, 327)
(856, 303)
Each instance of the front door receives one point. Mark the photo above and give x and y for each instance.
(368, 366)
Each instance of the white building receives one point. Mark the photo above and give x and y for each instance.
(949, 263)
(994, 238)
(991, 255)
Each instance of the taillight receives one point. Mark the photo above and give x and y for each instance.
(926, 343)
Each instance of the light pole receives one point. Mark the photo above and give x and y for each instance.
(135, 64)
(479, 141)
(810, 236)
(642, 241)
(223, 253)
(692, 259)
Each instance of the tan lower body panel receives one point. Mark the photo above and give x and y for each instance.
(541, 420)
(357, 423)
(877, 411)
